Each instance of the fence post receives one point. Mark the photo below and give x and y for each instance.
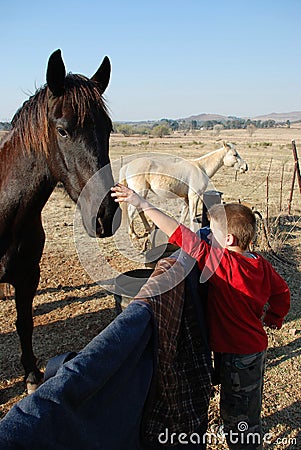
(296, 172)
(297, 167)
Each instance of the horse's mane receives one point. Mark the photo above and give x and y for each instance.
(31, 123)
(208, 155)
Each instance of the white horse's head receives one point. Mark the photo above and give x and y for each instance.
(233, 159)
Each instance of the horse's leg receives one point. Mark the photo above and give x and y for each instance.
(24, 292)
(193, 200)
(25, 279)
(131, 213)
(146, 224)
(147, 227)
(184, 212)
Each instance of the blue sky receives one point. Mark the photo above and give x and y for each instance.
(170, 59)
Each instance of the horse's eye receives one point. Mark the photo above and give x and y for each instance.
(62, 132)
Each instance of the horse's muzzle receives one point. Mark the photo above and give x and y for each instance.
(243, 168)
(105, 225)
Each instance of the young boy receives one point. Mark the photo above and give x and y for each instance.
(241, 285)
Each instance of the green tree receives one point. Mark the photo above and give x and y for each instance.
(124, 128)
(217, 129)
(194, 124)
(251, 128)
(161, 130)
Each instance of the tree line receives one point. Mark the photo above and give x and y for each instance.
(5, 126)
(165, 127)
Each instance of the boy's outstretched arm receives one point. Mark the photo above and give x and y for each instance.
(166, 223)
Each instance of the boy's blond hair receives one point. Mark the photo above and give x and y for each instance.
(240, 221)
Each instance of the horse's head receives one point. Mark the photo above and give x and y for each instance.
(233, 159)
(78, 135)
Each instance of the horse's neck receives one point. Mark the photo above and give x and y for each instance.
(211, 162)
(25, 179)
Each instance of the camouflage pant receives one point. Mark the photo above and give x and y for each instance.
(241, 398)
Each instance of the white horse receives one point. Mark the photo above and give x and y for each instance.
(176, 177)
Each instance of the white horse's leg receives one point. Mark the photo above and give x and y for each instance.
(184, 212)
(145, 222)
(131, 213)
(147, 227)
(193, 200)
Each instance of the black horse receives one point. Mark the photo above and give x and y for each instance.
(60, 134)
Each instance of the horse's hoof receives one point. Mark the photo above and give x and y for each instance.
(31, 388)
(33, 381)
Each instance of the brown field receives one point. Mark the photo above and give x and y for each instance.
(70, 307)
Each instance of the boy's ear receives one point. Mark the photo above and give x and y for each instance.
(230, 240)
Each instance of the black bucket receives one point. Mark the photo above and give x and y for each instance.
(156, 253)
(210, 198)
(127, 286)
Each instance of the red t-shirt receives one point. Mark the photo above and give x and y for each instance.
(239, 288)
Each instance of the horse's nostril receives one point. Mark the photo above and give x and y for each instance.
(99, 227)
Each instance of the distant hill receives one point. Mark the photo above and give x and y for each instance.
(204, 117)
(294, 116)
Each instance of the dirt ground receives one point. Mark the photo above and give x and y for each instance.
(70, 307)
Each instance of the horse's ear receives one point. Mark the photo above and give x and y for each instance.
(102, 76)
(227, 146)
(56, 74)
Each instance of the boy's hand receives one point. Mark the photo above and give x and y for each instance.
(122, 193)
(166, 223)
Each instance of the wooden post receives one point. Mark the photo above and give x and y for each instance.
(270, 165)
(292, 191)
(296, 172)
(297, 167)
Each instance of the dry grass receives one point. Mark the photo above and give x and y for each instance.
(70, 308)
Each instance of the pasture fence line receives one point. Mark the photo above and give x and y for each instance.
(295, 173)
(270, 237)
